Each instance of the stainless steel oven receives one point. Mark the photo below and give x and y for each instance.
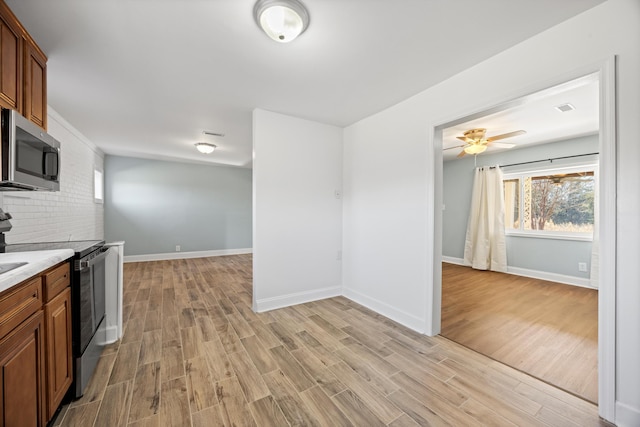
(88, 313)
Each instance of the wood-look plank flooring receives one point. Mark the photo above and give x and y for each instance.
(546, 329)
(195, 354)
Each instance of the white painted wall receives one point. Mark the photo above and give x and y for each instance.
(297, 227)
(384, 245)
(70, 213)
(389, 168)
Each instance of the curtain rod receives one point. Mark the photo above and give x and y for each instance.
(549, 160)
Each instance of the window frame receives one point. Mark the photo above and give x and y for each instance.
(549, 234)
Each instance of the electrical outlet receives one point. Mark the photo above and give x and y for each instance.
(177, 248)
(582, 266)
(339, 256)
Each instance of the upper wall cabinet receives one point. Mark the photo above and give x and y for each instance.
(23, 70)
(11, 57)
(35, 84)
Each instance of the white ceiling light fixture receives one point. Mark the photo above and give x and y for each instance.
(475, 148)
(205, 147)
(281, 20)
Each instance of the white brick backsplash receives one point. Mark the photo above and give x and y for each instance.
(68, 214)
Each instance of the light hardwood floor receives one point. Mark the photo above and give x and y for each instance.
(194, 354)
(547, 329)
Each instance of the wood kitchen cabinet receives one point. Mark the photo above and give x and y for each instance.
(21, 368)
(57, 326)
(35, 84)
(35, 348)
(22, 356)
(23, 70)
(11, 60)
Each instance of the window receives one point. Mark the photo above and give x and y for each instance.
(98, 186)
(550, 203)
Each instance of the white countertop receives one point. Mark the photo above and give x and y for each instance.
(38, 261)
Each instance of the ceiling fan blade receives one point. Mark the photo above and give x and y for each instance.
(455, 146)
(502, 145)
(462, 138)
(462, 153)
(506, 135)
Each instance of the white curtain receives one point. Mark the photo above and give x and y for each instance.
(511, 190)
(485, 247)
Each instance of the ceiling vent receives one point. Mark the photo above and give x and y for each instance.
(563, 108)
(211, 133)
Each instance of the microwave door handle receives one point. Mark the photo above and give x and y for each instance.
(50, 163)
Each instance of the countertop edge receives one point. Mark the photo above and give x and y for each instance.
(37, 262)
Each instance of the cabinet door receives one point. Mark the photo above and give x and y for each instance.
(58, 349)
(10, 60)
(35, 84)
(22, 375)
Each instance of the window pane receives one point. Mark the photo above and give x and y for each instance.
(561, 202)
(512, 204)
(97, 185)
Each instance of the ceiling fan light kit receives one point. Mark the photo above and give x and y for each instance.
(475, 149)
(476, 143)
(281, 20)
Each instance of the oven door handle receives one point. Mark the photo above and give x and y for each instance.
(82, 265)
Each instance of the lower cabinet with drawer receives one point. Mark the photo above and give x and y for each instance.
(21, 374)
(35, 348)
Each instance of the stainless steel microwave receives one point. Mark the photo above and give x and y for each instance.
(30, 157)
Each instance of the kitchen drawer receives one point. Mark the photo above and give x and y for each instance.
(19, 303)
(56, 280)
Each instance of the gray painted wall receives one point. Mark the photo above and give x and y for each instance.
(155, 205)
(546, 255)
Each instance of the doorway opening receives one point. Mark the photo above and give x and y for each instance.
(604, 140)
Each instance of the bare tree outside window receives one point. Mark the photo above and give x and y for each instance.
(562, 202)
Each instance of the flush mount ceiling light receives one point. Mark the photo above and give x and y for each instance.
(205, 147)
(282, 20)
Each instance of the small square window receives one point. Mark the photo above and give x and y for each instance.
(98, 186)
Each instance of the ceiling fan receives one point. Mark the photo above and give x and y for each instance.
(475, 141)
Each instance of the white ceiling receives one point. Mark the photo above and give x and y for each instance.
(537, 116)
(145, 77)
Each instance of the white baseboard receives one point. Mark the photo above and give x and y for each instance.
(627, 416)
(535, 274)
(186, 255)
(404, 318)
(452, 260)
(552, 277)
(267, 304)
